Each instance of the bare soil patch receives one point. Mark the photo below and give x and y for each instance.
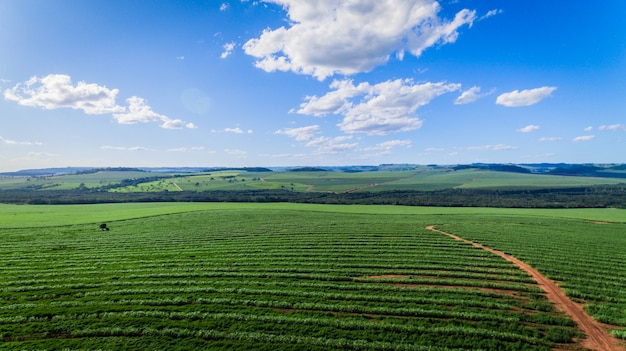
(597, 339)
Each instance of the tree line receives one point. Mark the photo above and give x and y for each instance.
(598, 196)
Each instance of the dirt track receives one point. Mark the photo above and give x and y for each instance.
(597, 337)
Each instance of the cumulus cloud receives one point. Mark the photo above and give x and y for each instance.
(524, 97)
(140, 112)
(228, 49)
(583, 138)
(57, 91)
(529, 128)
(23, 143)
(613, 127)
(378, 109)
(326, 37)
(470, 95)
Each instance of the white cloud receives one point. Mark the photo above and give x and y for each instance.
(234, 130)
(491, 13)
(177, 149)
(236, 153)
(529, 128)
(124, 148)
(326, 145)
(583, 138)
(323, 145)
(525, 97)
(23, 143)
(228, 49)
(57, 91)
(385, 147)
(470, 95)
(434, 149)
(378, 109)
(588, 129)
(300, 134)
(388, 145)
(224, 6)
(613, 127)
(139, 111)
(550, 139)
(498, 147)
(326, 37)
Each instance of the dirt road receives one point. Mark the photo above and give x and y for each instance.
(597, 337)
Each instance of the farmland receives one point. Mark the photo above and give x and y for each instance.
(295, 276)
(458, 186)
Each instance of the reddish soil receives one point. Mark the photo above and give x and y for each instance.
(597, 337)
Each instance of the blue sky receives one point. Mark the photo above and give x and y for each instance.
(288, 82)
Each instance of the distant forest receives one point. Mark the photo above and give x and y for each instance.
(597, 196)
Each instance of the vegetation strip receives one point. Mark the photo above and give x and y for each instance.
(597, 338)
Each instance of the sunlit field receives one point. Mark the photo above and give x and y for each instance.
(293, 277)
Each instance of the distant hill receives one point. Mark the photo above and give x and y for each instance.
(494, 167)
(308, 169)
(45, 172)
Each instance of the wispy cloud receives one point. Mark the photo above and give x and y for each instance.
(124, 148)
(23, 143)
(236, 153)
(528, 97)
(323, 145)
(550, 139)
(583, 138)
(320, 40)
(235, 130)
(470, 95)
(390, 144)
(490, 13)
(378, 109)
(301, 133)
(56, 91)
(224, 6)
(497, 147)
(529, 128)
(613, 127)
(386, 147)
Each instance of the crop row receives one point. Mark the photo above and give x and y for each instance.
(283, 275)
(586, 258)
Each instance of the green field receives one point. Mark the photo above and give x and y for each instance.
(423, 178)
(295, 276)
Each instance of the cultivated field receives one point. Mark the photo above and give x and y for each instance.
(293, 277)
